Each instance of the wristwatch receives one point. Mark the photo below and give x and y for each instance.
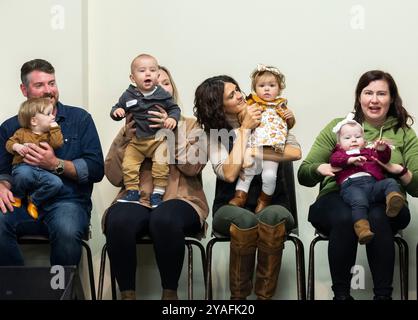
(59, 169)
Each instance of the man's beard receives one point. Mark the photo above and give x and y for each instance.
(53, 98)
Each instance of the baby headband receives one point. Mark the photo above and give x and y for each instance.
(262, 67)
(349, 119)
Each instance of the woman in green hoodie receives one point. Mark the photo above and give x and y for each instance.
(378, 107)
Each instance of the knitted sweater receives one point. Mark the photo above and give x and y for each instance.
(340, 157)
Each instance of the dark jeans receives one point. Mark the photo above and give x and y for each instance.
(332, 216)
(167, 225)
(64, 222)
(360, 192)
(37, 183)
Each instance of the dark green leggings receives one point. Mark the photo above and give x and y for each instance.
(245, 219)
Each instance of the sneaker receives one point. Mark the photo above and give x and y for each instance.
(156, 199)
(131, 196)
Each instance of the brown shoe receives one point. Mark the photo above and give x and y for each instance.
(128, 295)
(169, 294)
(239, 199)
(362, 230)
(394, 203)
(263, 201)
(32, 210)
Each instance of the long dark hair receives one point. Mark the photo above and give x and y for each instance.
(208, 103)
(396, 108)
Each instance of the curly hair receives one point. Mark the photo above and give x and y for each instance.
(396, 108)
(208, 103)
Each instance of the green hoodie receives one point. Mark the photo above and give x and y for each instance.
(405, 152)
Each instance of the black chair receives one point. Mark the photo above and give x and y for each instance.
(41, 239)
(416, 255)
(147, 240)
(403, 264)
(285, 174)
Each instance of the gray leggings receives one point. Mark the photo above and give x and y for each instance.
(245, 219)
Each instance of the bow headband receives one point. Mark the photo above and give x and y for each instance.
(348, 120)
(262, 67)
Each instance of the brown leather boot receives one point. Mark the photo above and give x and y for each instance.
(128, 295)
(169, 294)
(269, 258)
(239, 199)
(394, 203)
(362, 230)
(241, 261)
(263, 201)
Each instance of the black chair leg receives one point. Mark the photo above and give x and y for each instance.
(403, 266)
(189, 243)
(209, 248)
(416, 255)
(90, 267)
(102, 272)
(311, 268)
(190, 270)
(300, 266)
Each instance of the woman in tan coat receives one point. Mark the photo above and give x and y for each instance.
(182, 213)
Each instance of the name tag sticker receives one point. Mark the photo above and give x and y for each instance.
(130, 103)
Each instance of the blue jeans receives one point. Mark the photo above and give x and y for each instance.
(37, 183)
(360, 192)
(64, 222)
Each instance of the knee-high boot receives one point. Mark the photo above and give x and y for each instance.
(241, 261)
(269, 258)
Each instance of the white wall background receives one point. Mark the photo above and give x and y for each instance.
(322, 46)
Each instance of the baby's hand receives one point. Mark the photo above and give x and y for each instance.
(288, 114)
(380, 145)
(170, 123)
(53, 124)
(357, 161)
(119, 112)
(20, 149)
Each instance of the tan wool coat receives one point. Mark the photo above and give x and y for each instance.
(184, 180)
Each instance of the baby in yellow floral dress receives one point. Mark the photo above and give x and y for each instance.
(266, 85)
